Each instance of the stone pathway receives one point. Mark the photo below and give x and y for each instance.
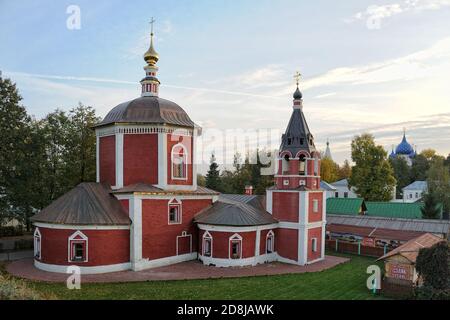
(180, 271)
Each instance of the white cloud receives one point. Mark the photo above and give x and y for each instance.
(375, 14)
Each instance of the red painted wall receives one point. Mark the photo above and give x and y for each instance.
(287, 243)
(105, 247)
(262, 244)
(126, 205)
(140, 158)
(159, 239)
(314, 233)
(221, 243)
(285, 206)
(315, 216)
(107, 161)
(187, 143)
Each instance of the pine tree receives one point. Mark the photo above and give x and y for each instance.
(213, 175)
(430, 209)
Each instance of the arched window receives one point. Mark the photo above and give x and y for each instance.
(179, 162)
(302, 164)
(37, 244)
(174, 212)
(78, 247)
(235, 250)
(285, 164)
(207, 244)
(270, 242)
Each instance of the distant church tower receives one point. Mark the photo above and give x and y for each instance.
(327, 154)
(296, 200)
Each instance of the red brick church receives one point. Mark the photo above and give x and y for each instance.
(146, 210)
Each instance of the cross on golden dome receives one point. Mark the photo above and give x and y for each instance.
(151, 56)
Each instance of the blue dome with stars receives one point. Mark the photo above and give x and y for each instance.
(404, 147)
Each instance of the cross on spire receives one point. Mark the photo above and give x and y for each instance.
(297, 77)
(151, 23)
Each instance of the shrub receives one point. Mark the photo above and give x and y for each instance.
(11, 289)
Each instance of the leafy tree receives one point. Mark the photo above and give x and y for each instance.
(402, 173)
(429, 154)
(80, 149)
(16, 155)
(201, 180)
(432, 264)
(345, 171)
(419, 168)
(430, 209)
(329, 170)
(439, 182)
(372, 174)
(212, 180)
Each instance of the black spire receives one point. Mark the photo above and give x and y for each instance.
(297, 136)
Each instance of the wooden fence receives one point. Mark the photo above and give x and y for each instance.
(355, 248)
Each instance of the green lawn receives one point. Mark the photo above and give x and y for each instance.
(346, 281)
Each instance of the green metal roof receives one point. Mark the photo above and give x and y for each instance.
(395, 209)
(347, 206)
(354, 206)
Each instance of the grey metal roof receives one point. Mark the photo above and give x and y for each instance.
(89, 203)
(148, 110)
(257, 201)
(340, 183)
(417, 185)
(402, 224)
(227, 212)
(326, 186)
(297, 136)
(148, 188)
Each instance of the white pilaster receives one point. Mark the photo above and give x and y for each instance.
(135, 209)
(303, 229)
(324, 222)
(269, 197)
(194, 159)
(97, 158)
(257, 242)
(162, 160)
(119, 160)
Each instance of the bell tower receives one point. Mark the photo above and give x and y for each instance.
(296, 200)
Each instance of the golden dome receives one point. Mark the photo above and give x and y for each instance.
(151, 56)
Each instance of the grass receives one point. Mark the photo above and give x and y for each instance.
(346, 281)
(16, 289)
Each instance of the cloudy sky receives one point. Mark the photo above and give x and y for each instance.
(367, 66)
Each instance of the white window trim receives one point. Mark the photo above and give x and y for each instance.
(184, 234)
(72, 238)
(37, 234)
(185, 163)
(235, 237)
(270, 234)
(174, 202)
(206, 236)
